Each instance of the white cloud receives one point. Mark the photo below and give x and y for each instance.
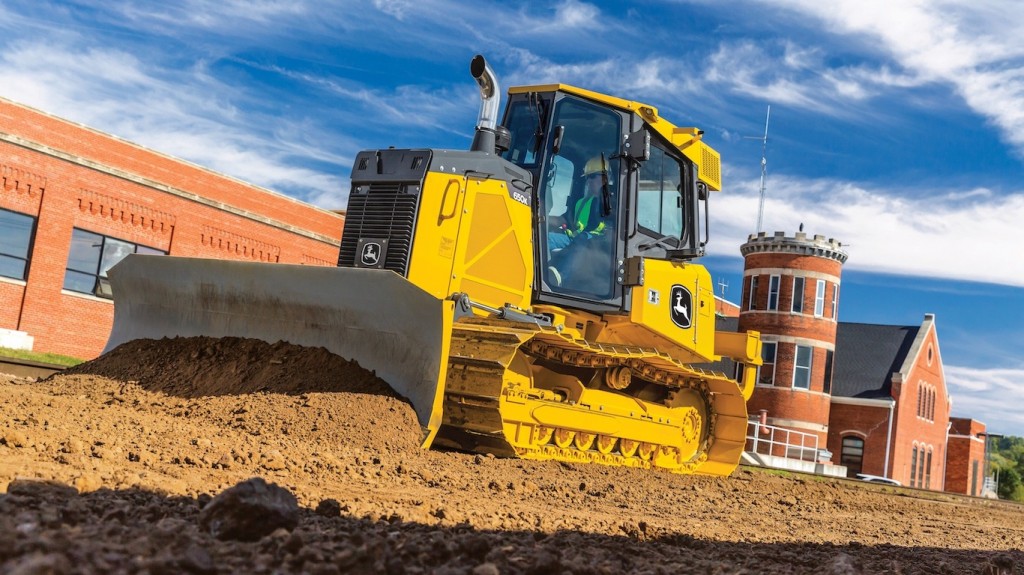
(575, 14)
(395, 8)
(949, 234)
(801, 78)
(974, 47)
(403, 105)
(118, 93)
(989, 396)
(225, 15)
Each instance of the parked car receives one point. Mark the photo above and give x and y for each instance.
(877, 479)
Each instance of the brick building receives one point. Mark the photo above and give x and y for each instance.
(873, 395)
(965, 457)
(74, 201)
(890, 407)
(790, 292)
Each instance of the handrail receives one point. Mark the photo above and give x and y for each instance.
(781, 442)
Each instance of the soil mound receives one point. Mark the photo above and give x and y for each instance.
(204, 366)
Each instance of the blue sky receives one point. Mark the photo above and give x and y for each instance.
(897, 127)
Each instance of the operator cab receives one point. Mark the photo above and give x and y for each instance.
(607, 188)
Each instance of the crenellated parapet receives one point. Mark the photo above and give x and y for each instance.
(798, 244)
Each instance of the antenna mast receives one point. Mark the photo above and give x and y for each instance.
(764, 167)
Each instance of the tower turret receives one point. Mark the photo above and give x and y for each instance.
(791, 295)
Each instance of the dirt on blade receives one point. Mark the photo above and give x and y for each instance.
(107, 468)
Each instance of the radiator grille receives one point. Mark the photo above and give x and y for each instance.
(386, 211)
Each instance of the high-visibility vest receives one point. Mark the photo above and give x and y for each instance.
(582, 218)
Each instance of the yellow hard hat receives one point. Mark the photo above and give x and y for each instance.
(595, 165)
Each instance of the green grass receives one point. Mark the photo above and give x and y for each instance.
(51, 358)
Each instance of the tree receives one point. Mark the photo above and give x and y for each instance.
(1010, 485)
(1007, 459)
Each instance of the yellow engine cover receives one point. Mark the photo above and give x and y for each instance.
(476, 228)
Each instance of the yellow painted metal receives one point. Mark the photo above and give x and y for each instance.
(686, 139)
(515, 389)
(709, 163)
(438, 228)
(473, 227)
(649, 322)
(744, 348)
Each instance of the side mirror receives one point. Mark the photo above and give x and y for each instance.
(702, 191)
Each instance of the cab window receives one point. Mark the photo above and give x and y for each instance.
(524, 122)
(579, 198)
(659, 197)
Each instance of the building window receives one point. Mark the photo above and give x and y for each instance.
(913, 467)
(926, 401)
(773, 293)
(798, 295)
(768, 350)
(15, 244)
(835, 301)
(852, 455)
(828, 371)
(752, 296)
(928, 470)
(920, 471)
(819, 299)
(802, 367)
(91, 256)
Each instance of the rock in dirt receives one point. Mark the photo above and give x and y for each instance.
(249, 511)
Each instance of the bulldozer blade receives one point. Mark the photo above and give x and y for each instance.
(374, 317)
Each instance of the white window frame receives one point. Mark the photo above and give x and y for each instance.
(773, 292)
(797, 368)
(819, 299)
(797, 306)
(835, 301)
(752, 296)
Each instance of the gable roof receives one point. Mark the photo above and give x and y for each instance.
(867, 355)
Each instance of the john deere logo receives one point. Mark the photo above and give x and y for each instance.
(682, 306)
(371, 254)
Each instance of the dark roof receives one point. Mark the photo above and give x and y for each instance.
(723, 323)
(866, 357)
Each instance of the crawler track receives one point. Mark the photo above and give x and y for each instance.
(525, 391)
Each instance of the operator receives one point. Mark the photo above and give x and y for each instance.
(587, 218)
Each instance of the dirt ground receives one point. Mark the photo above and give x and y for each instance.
(106, 468)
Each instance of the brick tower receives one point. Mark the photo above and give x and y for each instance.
(791, 295)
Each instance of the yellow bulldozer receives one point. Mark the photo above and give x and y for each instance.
(532, 297)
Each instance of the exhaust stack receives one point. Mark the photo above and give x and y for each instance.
(489, 137)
